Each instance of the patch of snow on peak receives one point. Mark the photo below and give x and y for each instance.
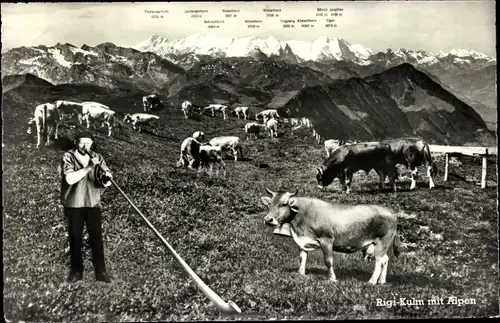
(59, 58)
(84, 52)
(360, 51)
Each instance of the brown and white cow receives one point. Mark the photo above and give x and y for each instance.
(254, 129)
(413, 152)
(244, 111)
(348, 159)
(228, 143)
(272, 127)
(217, 107)
(141, 119)
(187, 108)
(97, 113)
(151, 102)
(317, 224)
(46, 120)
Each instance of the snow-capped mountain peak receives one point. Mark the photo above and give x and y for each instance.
(319, 49)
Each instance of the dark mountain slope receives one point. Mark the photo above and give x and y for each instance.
(245, 80)
(401, 101)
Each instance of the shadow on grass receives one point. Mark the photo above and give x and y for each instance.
(196, 117)
(395, 279)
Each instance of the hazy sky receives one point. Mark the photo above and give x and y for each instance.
(428, 25)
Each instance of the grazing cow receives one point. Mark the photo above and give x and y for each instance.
(187, 108)
(151, 102)
(210, 155)
(413, 152)
(245, 111)
(199, 135)
(101, 114)
(267, 114)
(190, 153)
(46, 119)
(140, 119)
(314, 224)
(272, 127)
(253, 129)
(348, 159)
(228, 143)
(217, 107)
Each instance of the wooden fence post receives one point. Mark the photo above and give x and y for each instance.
(446, 167)
(483, 173)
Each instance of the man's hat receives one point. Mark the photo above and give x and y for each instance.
(84, 134)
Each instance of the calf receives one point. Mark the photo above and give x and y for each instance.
(140, 119)
(272, 127)
(228, 143)
(46, 119)
(187, 108)
(253, 129)
(314, 224)
(348, 159)
(210, 155)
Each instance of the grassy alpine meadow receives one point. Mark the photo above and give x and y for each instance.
(448, 235)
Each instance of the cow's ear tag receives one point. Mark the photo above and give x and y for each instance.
(293, 205)
(266, 200)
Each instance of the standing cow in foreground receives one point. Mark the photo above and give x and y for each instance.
(413, 152)
(348, 159)
(46, 120)
(314, 224)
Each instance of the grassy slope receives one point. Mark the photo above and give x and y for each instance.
(216, 225)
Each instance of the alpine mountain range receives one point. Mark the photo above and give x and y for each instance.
(347, 90)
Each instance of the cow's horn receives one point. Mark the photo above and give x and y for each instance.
(319, 170)
(296, 191)
(270, 192)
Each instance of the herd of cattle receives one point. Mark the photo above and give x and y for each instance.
(367, 228)
(343, 158)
